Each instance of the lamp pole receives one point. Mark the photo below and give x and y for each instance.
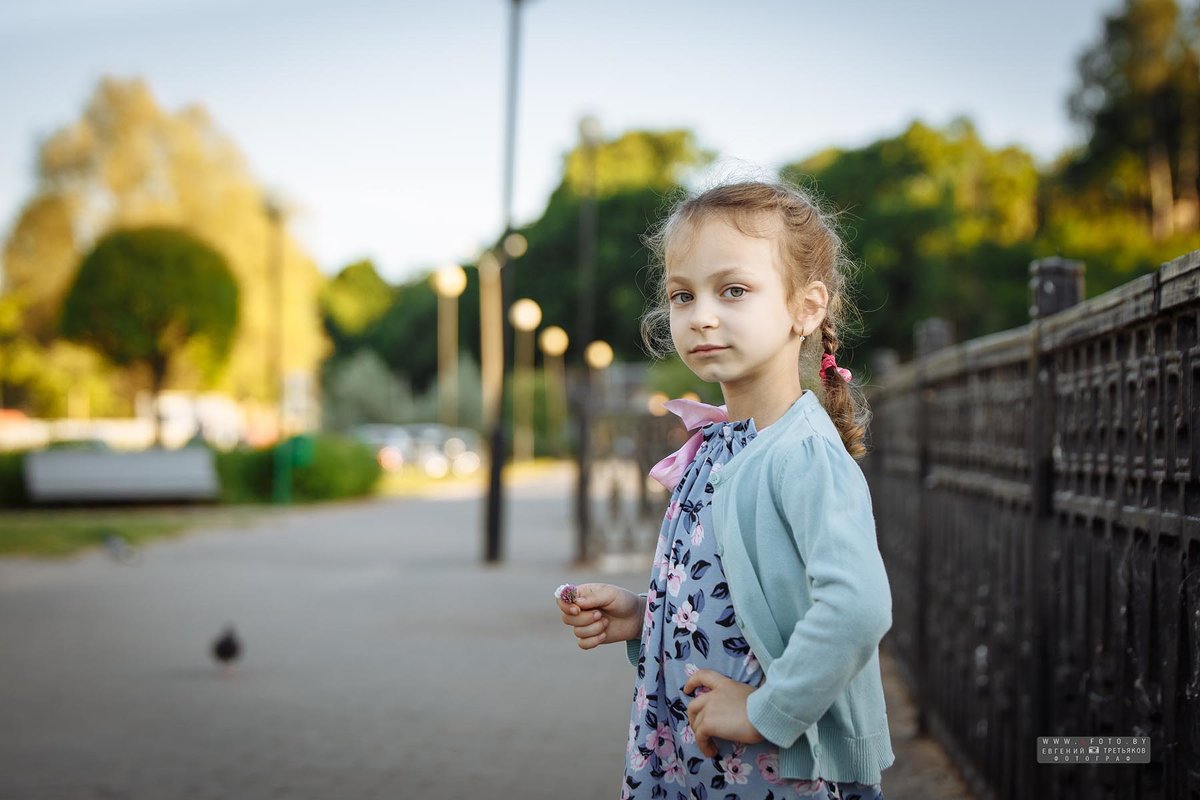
(554, 341)
(524, 315)
(493, 518)
(589, 134)
(449, 283)
(281, 488)
(491, 335)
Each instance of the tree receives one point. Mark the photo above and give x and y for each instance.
(143, 297)
(635, 175)
(126, 162)
(1139, 99)
(940, 224)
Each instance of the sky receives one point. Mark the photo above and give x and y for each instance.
(382, 121)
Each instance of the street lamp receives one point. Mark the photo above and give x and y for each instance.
(525, 315)
(590, 135)
(553, 341)
(449, 283)
(494, 512)
(491, 336)
(597, 355)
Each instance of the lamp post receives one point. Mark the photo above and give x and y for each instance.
(524, 315)
(449, 283)
(491, 335)
(597, 355)
(554, 341)
(493, 516)
(281, 488)
(589, 135)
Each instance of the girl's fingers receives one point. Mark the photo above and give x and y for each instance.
(582, 618)
(588, 644)
(596, 628)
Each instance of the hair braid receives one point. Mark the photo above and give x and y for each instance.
(838, 402)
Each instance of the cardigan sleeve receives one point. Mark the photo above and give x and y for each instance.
(633, 647)
(826, 506)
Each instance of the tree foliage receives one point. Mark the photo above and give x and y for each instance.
(635, 174)
(1138, 98)
(939, 223)
(127, 163)
(145, 296)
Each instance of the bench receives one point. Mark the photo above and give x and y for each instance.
(149, 475)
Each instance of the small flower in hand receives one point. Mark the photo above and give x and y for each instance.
(567, 593)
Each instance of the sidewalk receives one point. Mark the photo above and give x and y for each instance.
(382, 660)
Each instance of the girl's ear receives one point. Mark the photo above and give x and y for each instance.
(810, 310)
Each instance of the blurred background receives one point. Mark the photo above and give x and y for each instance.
(326, 161)
(257, 253)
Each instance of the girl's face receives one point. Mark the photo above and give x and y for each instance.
(731, 321)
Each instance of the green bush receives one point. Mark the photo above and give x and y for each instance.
(245, 475)
(339, 467)
(12, 480)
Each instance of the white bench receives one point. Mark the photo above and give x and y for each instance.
(149, 475)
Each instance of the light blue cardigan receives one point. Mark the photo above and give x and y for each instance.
(796, 536)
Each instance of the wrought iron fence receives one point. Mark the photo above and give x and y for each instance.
(1038, 509)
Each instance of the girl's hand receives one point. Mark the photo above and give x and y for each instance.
(719, 710)
(603, 613)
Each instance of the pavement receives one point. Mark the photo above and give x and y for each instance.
(382, 659)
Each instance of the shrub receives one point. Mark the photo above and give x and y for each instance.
(339, 467)
(12, 480)
(336, 467)
(245, 475)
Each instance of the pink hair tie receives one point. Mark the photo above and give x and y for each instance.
(828, 363)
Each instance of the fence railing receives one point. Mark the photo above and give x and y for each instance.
(1038, 509)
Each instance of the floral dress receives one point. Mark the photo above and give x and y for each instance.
(690, 625)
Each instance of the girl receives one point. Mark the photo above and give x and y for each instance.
(757, 644)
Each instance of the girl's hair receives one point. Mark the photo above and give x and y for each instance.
(809, 249)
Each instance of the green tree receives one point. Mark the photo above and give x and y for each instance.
(352, 300)
(127, 162)
(1139, 99)
(143, 297)
(940, 224)
(635, 174)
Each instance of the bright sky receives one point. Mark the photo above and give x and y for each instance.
(383, 120)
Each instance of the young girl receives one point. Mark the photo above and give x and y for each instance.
(757, 644)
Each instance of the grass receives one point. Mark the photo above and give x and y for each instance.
(61, 532)
(57, 533)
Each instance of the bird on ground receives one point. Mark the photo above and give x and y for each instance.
(227, 649)
(119, 549)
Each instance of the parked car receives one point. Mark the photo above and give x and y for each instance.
(437, 450)
(392, 443)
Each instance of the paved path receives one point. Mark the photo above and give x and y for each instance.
(383, 661)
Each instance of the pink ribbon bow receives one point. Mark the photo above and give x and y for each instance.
(828, 363)
(695, 415)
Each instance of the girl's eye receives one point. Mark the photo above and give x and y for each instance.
(735, 291)
(681, 297)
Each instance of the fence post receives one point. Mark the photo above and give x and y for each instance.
(1055, 284)
(929, 335)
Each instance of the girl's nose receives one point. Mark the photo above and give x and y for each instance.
(703, 318)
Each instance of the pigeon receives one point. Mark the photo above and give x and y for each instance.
(120, 550)
(227, 648)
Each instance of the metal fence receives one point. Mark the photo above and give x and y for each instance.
(1038, 509)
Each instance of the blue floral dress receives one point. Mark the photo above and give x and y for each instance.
(690, 625)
